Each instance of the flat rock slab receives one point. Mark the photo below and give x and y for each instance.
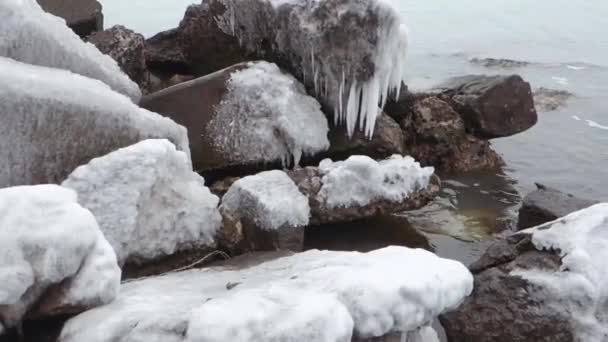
(82, 16)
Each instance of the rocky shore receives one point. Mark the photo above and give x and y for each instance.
(202, 185)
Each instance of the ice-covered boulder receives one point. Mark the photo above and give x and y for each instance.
(547, 283)
(53, 258)
(30, 35)
(312, 296)
(361, 187)
(243, 116)
(265, 212)
(351, 53)
(52, 121)
(82, 16)
(148, 202)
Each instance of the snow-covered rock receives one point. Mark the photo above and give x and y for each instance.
(248, 114)
(52, 255)
(30, 35)
(312, 296)
(264, 210)
(52, 121)
(350, 53)
(148, 202)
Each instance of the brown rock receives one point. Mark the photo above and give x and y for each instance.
(82, 16)
(164, 54)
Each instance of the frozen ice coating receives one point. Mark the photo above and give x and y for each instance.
(350, 53)
(52, 121)
(318, 295)
(361, 180)
(267, 115)
(270, 198)
(579, 288)
(148, 201)
(48, 240)
(30, 35)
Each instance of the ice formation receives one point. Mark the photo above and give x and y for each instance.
(52, 121)
(48, 240)
(361, 180)
(579, 288)
(267, 115)
(311, 296)
(351, 53)
(30, 35)
(148, 201)
(271, 199)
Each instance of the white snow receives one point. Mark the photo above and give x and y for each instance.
(339, 71)
(311, 296)
(361, 180)
(52, 121)
(579, 288)
(267, 115)
(46, 238)
(30, 35)
(270, 199)
(148, 201)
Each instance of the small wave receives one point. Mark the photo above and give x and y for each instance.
(499, 63)
(575, 67)
(575, 117)
(560, 80)
(594, 124)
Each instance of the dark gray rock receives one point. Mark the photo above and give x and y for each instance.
(547, 204)
(82, 16)
(502, 63)
(492, 106)
(164, 53)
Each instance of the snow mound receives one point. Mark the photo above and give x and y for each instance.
(270, 199)
(47, 240)
(351, 53)
(52, 121)
(312, 296)
(148, 201)
(267, 115)
(361, 180)
(579, 288)
(30, 35)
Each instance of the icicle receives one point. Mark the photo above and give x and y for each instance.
(341, 98)
(352, 109)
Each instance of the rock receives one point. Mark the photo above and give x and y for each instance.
(53, 257)
(82, 16)
(159, 82)
(52, 121)
(31, 36)
(547, 204)
(361, 187)
(492, 106)
(126, 48)
(547, 283)
(316, 295)
(149, 203)
(499, 63)
(264, 212)
(549, 100)
(245, 117)
(349, 53)
(163, 53)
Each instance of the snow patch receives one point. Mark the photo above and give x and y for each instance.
(267, 115)
(579, 287)
(361, 180)
(148, 201)
(271, 199)
(46, 238)
(311, 296)
(28, 34)
(52, 121)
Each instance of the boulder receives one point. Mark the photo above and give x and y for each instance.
(54, 260)
(361, 187)
(150, 205)
(549, 100)
(492, 106)
(52, 121)
(82, 16)
(350, 54)
(544, 284)
(548, 204)
(245, 117)
(311, 296)
(164, 54)
(32, 36)
(126, 48)
(264, 212)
